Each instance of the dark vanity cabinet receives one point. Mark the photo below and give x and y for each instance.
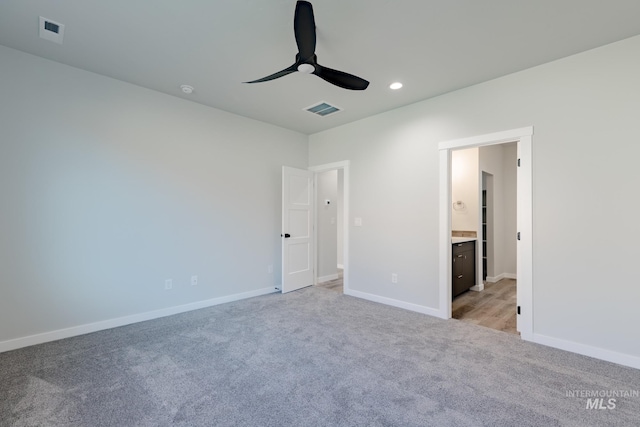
(463, 267)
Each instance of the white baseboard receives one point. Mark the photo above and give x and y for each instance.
(587, 350)
(328, 278)
(499, 277)
(394, 302)
(59, 334)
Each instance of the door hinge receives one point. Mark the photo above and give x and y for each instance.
(518, 162)
(518, 235)
(518, 309)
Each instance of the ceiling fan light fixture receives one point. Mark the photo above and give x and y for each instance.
(306, 68)
(395, 86)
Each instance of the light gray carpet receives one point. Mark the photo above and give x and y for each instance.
(308, 358)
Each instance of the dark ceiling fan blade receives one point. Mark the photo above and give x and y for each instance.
(304, 28)
(279, 74)
(340, 78)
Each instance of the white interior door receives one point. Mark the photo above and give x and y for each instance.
(524, 267)
(297, 229)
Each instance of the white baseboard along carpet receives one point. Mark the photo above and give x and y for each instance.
(310, 358)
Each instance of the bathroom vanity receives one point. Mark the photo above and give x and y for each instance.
(463, 265)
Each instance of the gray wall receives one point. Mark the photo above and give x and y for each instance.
(584, 110)
(500, 162)
(465, 188)
(107, 189)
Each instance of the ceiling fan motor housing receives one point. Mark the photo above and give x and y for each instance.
(304, 27)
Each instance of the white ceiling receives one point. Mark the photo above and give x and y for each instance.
(433, 47)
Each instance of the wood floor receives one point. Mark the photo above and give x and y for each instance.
(494, 307)
(334, 285)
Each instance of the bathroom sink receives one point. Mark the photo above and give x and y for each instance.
(462, 239)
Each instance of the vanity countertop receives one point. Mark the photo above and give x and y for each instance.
(463, 239)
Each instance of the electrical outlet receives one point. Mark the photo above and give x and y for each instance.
(394, 278)
(270, 269)
(168, 284)
(194, 280)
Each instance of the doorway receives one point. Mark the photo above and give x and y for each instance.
(523, 140)
(488, 185)
(331, 229)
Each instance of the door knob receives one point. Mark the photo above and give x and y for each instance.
(286, 235)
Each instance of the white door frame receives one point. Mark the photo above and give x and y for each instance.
(523, 137)
(344, 165)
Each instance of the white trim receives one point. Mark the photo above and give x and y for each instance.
(487, 139)
(344, 165)
(328, 278)
(524, 255)
(345, 227)
(494, 279)
(523, 137)
(587, 350)
(126, 320)
(445, 235)
(340, 267)
(477, 288)
(395, 303)
(330, 166)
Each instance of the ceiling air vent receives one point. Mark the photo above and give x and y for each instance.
(51, 30)
(323, 109)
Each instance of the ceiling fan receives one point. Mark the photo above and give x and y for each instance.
(304, 28)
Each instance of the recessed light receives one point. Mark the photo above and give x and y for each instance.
(187, 89)
(395, 86)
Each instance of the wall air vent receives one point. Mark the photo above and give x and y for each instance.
(51, 30)
(323, 109)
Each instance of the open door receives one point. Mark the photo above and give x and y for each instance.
(297, 229)
(524, 240)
